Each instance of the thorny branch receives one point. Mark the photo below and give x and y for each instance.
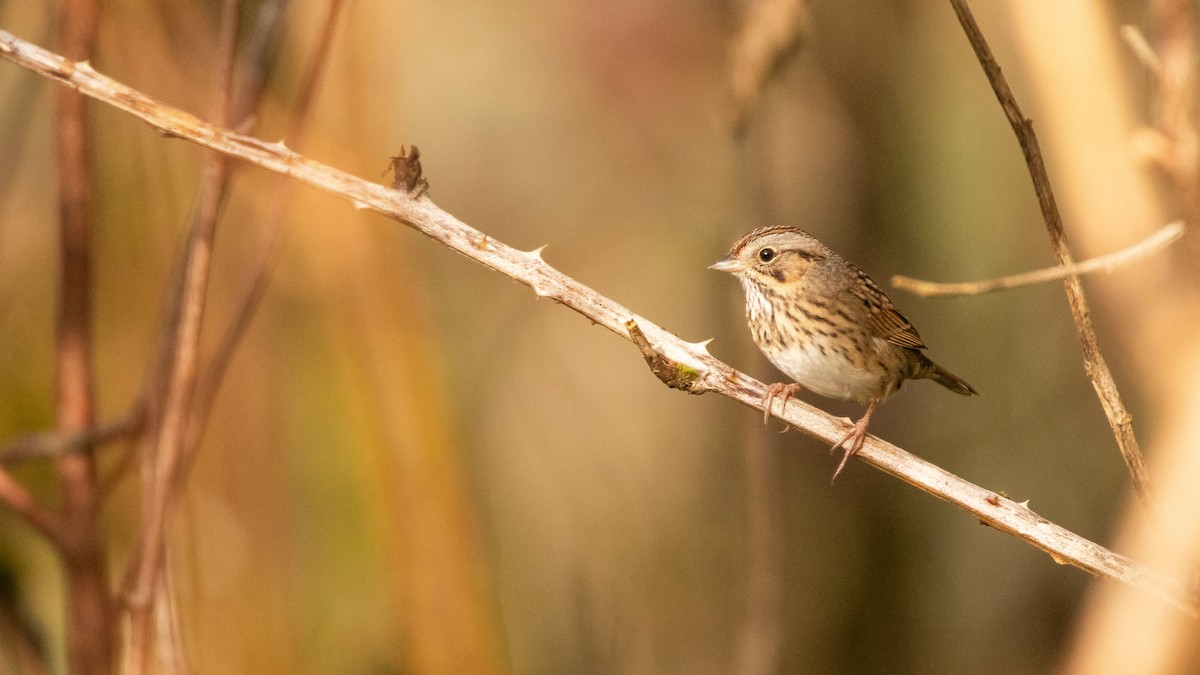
(671, 372)
(1097, 370)
(528, 267)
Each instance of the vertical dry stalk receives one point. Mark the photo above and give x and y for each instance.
(165, 438)
(90, 630)
(1119, 419)
(259, 277)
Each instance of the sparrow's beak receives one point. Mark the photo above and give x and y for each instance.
(727, 264)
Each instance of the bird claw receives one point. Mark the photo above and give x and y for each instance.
(781, 391)
(856, 436)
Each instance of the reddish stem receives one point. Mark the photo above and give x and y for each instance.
(89, 602)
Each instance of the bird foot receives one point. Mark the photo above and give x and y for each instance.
(853, 441)
(781, 391)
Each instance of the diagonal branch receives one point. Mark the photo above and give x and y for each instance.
(1102, 380)
(18, 498)
(690, 360)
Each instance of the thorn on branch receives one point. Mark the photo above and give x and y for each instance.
(672, 373)
(406, 173)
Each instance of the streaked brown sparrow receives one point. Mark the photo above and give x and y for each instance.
(824, 323)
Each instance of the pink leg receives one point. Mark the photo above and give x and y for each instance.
(781, 391)
(856, 437)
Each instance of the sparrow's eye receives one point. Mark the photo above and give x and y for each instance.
(767, 254)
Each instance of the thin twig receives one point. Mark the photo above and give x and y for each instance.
(1119, 419)
(418, 211)
(142, 578)
(1105, 263)
(264, 264)
(258, 50)
(22, 502)
(52, 445)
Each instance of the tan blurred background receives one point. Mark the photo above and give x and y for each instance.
(416, 467)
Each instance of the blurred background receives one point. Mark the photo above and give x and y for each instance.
(413, 466)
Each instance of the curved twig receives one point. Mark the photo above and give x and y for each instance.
(414, 208)
(1145, 248)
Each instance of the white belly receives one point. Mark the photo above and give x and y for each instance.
(827, 374)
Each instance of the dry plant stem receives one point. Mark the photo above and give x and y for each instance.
(1106, 263)
(142, 580)
(1119, 419)
(692, 360)
(90, 611)
(261, 33)
(214, 373)
(21, 501)
(50, 445)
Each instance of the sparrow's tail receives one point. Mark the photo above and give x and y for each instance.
(947, 379)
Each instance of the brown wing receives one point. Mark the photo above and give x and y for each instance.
(883, 319)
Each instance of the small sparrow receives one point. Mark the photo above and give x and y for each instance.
(824, 323)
